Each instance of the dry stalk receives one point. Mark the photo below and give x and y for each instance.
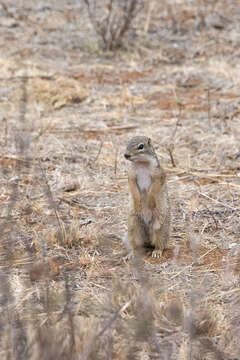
(5, 132)
(69, 314)
(209, 108)
(116, 162)
(217, 202)
(171, 145)
(98, 153)
(149, 14)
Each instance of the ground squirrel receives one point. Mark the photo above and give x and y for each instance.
(149, 218)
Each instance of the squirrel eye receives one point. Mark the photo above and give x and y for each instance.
(140, 146)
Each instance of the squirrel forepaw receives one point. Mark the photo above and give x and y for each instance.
(156, 254)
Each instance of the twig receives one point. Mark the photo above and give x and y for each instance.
(149, 13)
(14, 158)
(108, 24)
(209, 108)
(99, 131)
(171, 145)
(216, 201)
(19, 77)
(115, 162)
(170, 150)
(99, 152)
(5, 132)
(69, 314)
(97, 26)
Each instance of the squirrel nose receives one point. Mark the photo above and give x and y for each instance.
(127, 156)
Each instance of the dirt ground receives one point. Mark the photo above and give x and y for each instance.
(67, 110)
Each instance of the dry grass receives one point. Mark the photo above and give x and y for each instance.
(67, 111)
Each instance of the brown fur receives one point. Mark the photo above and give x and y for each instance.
(149, 218)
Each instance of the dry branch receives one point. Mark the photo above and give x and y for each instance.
(116, 22)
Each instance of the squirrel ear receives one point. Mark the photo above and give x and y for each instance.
(149, 141)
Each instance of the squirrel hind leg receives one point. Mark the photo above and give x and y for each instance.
(159, 239)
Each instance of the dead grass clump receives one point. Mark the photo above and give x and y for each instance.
(64, 340)
(76, 235)
(56, 93)
(114, 19)
(204, 323)
(201, 329)
(199, 349)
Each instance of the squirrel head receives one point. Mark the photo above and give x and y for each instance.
(140, 150)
